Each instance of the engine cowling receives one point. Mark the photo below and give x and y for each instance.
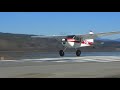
(64, 40)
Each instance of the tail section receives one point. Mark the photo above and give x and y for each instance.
(90, 41)
(91, 32)
(87, 42)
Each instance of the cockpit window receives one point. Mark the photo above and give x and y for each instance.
(76, 38)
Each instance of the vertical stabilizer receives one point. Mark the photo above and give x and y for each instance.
(91, 32)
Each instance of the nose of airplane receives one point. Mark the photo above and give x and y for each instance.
(64, 40)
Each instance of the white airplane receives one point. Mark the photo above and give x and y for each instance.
(76, 41)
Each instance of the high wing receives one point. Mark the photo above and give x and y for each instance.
(57, 37)
(86, 36)
(93, 36)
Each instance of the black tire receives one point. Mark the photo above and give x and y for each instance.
(78, 53)
(61, 52)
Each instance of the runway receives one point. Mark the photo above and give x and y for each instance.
(62, 67)
(71, 59)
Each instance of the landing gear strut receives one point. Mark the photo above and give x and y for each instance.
(61, 52)
(78, 52)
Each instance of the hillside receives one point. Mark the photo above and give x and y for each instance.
(24, 42)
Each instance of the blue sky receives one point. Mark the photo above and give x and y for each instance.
(49, 23)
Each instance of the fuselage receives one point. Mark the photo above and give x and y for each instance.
(72, 42)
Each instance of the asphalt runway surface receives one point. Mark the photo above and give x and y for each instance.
(62, 67)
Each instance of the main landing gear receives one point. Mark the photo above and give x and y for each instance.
(61, 52)
(78, 52)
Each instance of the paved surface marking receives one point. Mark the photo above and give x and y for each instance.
(71, 59)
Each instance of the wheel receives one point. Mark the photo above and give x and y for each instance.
(78, 52)
(61, 52)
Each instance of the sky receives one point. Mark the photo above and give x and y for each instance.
(57, 23)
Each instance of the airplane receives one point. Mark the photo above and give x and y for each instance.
(76, 41)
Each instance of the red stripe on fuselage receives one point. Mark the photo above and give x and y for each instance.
(90, 43)
(86, 42)
(72, 40)
(83, 42)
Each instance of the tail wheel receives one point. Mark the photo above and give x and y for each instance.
(61, 52)
(78, 52)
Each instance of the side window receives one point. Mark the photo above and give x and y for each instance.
(77, 38)
(80, 39)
